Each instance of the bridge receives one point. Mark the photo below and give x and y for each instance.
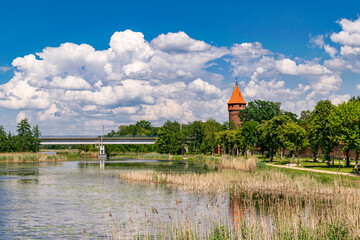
(98, 141)
(86, 140)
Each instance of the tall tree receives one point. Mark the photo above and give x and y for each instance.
(346, 121)
(169, 139)
(4, 141)
(270, 133)
(211, 127)
(249, 135)
(293, 137)
(322, 129)
(35, 141)
(259, 110)
(24, 136)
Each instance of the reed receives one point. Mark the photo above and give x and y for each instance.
(239, 163)
(266, 216)
(273, 204)
(30, 157)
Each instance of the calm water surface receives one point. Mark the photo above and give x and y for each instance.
(65, 200)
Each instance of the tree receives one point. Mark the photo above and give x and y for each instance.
(293, 137)
(322, 129)
(25, 136)
(35, 141)
(193, 133)
(249, 135)
(211, 127)
(270, 133)
(346, 121)
(4, 141)
(169, 139)
(292, 115)
(259, 110)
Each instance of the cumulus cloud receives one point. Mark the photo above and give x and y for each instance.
(168, 77)
(132, 79)
(337, 99)
(288, 66)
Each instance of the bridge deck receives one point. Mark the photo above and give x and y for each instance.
(97, 140)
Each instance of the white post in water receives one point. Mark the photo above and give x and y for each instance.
(102, 155)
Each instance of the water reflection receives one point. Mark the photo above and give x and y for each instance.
(60, 200)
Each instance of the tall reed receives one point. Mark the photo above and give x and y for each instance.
(30, 157)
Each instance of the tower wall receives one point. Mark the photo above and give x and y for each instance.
(234, 113)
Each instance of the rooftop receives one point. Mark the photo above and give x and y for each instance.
(237, 97)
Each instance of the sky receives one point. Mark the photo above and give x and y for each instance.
(72, 66)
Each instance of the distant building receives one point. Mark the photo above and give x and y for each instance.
(236, 103)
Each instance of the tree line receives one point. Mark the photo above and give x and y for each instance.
(26, 139)
(265, 126)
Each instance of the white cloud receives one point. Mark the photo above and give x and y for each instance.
(337, 99)
(317, 40)
(288, 66)
(170, 77)
(330, 50)
(70, 82)
(21, 115)
(5, 69)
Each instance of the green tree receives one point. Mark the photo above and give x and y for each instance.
(259, 110)
(227, 140)
(25, 136)
(211, 127)
(270, 133)
(249, 135)
(169, 138)
(293, 137)
(4, 142)
(35, 141)
(322, 129)
(346, 121)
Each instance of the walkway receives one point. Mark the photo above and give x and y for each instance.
(315, 170)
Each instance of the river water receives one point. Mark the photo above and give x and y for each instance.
(78, 199)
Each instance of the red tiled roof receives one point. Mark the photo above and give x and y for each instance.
(237, 97)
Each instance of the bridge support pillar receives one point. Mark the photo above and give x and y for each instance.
(102, 154)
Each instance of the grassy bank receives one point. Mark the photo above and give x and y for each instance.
(309, 163)
(267, 203)
(30, 157)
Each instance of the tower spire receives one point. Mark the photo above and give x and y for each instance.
(236, 81)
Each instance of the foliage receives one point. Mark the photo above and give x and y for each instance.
(259, 110)
(169, 138)
(26, 140)
(249, 135)
(322, 129)
(272, 133)
(346, 121)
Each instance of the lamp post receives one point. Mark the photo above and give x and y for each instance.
(339, 158)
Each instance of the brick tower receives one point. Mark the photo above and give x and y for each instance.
(236, 103)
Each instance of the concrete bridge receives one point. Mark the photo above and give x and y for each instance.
(98, 141)
(86, 140)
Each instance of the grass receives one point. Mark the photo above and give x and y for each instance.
(309, 163)
(265, 203)
(30, 157)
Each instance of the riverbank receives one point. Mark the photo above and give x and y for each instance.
(48, 156)
(31, 157)
(269, 203)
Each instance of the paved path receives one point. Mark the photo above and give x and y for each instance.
(314, 170)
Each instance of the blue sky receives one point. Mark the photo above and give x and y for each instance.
(272, 47)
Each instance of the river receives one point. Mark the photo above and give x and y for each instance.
(78, 199)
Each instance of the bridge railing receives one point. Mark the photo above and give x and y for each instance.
(104, 136)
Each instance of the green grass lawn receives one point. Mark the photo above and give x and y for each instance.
(310, 164)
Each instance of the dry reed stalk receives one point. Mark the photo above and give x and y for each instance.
(30, 157)
(243, 164)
